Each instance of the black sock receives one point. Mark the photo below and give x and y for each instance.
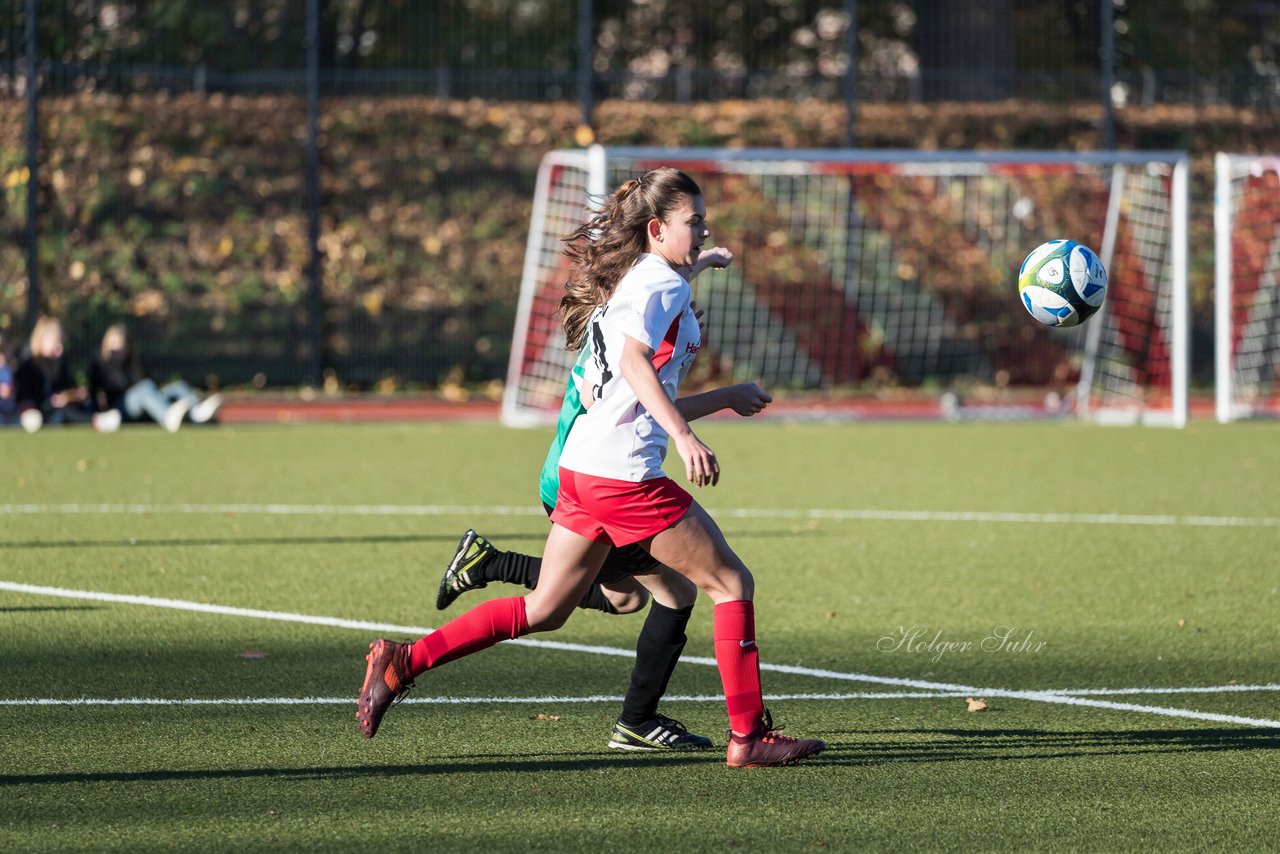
(595, 600)
(657, 650)
(515, 568)
(511, 568)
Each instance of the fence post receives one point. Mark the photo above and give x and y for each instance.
(33, 94)
(585, 70)
(851, 74)
(314, 302)
(1107, 60)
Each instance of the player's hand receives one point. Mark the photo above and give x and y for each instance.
(700, 464)
(747, 399)
(697, 315)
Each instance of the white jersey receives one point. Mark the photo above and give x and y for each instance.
(617, 437)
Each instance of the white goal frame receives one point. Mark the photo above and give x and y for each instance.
(1246, 337)
(570, 182)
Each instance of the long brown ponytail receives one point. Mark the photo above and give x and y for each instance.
(605, 247)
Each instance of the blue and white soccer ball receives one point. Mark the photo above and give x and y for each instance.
(1062, 283)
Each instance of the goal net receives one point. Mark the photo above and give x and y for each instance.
(889, 279)
(1247, 288)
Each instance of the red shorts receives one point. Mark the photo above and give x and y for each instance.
(621, 512)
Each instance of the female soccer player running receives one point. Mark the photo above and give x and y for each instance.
(629, 576)
(625, 290)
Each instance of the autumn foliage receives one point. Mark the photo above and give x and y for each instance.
(189, 213)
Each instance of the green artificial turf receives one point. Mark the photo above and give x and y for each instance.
(890, 559)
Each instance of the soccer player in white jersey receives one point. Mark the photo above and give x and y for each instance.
(626, 292)
(630, 576)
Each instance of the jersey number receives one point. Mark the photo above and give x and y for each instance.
(597, 353)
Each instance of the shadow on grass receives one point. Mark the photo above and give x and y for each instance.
(478, 764)
(941, 746)
(929, 746)
(55, 608)
(451, 539)
(379, 539)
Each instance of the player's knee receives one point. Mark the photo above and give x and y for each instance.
(684, 591)
(629, 602)
(731, 583)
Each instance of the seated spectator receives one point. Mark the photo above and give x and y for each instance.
(8, 397)
(45, 391)
(120, 388)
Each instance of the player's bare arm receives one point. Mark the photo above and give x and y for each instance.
(746, 399)
(636, 365)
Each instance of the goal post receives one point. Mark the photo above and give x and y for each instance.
(539, 362)
(1246, 213)
(892, 275)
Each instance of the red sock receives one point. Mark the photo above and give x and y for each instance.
(739, 663)
(477, 629)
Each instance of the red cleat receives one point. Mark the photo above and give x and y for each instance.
(386, 681)
(766, 747)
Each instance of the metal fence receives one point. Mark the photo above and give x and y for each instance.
(316, 61)
(1188, 51)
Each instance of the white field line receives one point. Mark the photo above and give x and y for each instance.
(445, 701)
(835, 515)
(966, 690)
(593, 698)
(1231, 688)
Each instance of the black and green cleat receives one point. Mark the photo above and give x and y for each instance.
(462, 574)
(660, 733)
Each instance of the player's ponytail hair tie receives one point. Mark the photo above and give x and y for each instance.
(627, 188)
(626, 204)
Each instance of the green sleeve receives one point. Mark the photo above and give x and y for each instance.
(570, 409)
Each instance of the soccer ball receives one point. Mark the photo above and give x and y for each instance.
(1062, 283)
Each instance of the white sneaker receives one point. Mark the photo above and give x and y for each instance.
(174, 414)
(32, 420)
(206, 409)
(107, 422)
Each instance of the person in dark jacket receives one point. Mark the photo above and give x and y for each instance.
(119, 385)
(8, 396)
(45, 390)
